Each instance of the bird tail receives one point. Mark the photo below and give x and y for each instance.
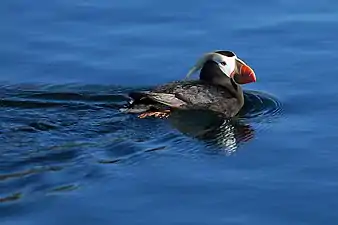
(145, 101)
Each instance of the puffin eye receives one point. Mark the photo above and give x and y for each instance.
(223, 63)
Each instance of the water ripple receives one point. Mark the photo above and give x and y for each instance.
(12, 175)
(260, 105)
(54, 137)
(10, 198)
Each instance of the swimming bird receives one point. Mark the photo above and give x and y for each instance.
(218, 89)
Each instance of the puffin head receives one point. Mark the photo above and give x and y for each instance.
(221, 64)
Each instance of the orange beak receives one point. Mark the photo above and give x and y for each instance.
(246, 75)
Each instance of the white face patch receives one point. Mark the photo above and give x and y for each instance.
(227, 64)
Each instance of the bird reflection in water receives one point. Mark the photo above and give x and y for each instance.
(212, 128)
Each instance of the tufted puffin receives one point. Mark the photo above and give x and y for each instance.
(218, 89)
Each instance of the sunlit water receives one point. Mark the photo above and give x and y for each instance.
(68, 155)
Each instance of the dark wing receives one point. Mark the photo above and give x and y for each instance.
(150, 97)
(188, 95)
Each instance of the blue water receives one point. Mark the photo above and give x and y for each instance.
(69, 156)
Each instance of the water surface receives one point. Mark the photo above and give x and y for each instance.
(67, 152)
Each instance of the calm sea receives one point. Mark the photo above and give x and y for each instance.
(69, 156)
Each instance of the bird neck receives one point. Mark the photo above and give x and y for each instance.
(231, 86)
(237, 91)
(211, 73)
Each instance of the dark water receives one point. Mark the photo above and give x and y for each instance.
(67, 152)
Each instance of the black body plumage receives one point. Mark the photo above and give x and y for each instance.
(213, 91)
